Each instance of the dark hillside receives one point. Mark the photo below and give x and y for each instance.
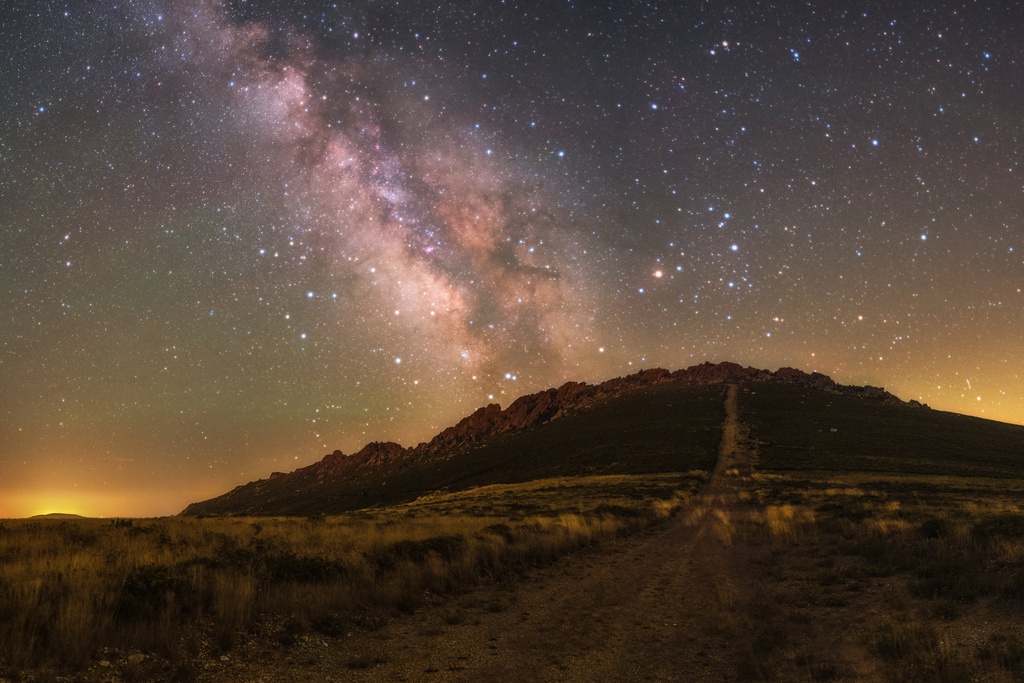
(799, 428)
(655, 421)
(669, 427)
(662, 428)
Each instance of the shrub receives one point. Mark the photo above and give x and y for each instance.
(996, 527)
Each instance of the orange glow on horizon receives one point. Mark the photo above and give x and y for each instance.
(92, 504)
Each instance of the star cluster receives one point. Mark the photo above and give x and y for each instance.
(239, 234)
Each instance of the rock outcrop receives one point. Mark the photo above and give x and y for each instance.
(375, 453)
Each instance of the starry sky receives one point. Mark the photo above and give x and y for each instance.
(237, 235)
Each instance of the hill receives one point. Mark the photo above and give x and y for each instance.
(650, 422)
(714, 523)
(835, 534)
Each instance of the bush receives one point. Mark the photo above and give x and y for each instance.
(996, 527)
(934, 528)
(447, 547)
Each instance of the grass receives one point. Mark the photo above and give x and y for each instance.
(859, 581)
(181, 589)
(886, 542)
(872, 542)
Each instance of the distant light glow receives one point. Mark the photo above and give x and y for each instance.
(444, 213)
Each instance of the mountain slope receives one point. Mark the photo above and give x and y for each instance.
(652, 421)
(666, 428)
(796, 428)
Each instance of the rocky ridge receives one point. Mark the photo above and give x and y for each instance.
(525, 413)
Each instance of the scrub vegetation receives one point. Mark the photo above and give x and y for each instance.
(155, 598)
(867, 577)
(890, 541)
(841, 539)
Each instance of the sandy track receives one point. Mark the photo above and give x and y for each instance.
(647, 608)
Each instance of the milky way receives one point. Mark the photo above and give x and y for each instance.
(236, 236)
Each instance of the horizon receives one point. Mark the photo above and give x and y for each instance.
(93, 502)
(238, 235)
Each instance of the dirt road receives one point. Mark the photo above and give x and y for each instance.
(658, 607)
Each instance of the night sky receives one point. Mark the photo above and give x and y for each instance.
(237, 236)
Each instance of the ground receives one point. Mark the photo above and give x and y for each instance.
(653, 607)
(800, 558)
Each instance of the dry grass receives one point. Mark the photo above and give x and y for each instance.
(826, 577)
(177, 588)
(867, 577)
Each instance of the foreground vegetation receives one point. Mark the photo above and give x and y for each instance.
(886, 542)
(156, 598)
(870, 541)
(868, 577)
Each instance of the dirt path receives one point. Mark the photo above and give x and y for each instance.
(735, 457)
(658, 607)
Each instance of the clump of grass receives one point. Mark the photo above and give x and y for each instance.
(994, 528)
(365, 661)
(917, 653)
(898, 641)
(1005, 650)
(455, 616)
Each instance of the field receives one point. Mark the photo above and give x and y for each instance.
(866, 577)
(890, 542)
(834, 538)
(155, 599)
